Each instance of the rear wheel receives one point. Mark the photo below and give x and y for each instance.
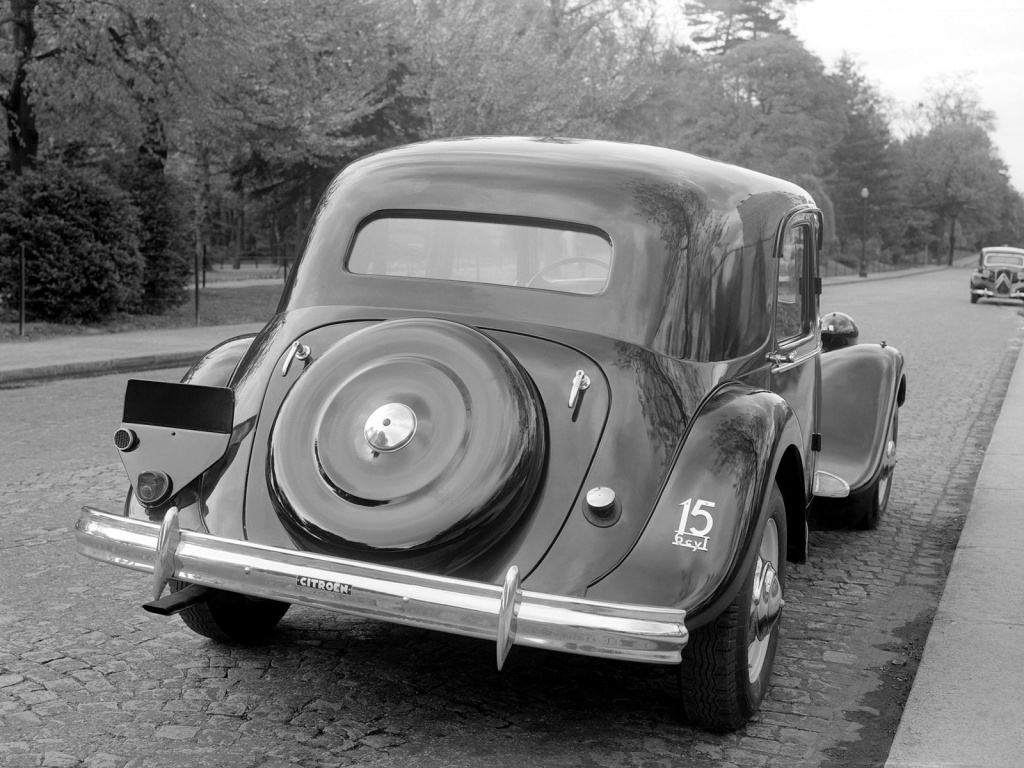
(974, 298)
(231, 618)
(727, 664)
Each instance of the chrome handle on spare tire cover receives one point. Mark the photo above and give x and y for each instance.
(580, 382)
(297, 351)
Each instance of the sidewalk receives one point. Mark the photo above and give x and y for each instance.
(92, 354)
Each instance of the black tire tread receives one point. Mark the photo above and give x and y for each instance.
(708, 675)
(231, 618)
(713, 671)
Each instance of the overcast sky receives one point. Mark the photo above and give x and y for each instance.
(903, 46)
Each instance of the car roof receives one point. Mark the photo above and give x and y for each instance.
(691, 236)
(603, 172)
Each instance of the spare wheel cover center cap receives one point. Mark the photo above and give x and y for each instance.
(390, 427)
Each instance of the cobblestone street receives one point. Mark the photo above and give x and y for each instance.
(89, 679)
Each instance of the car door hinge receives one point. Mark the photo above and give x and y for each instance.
(816, 442)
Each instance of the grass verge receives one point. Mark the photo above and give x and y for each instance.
(217, 306)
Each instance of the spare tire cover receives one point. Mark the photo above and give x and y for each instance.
(406, 436)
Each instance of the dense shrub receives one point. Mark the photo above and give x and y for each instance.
(164, 241)
(80, 234)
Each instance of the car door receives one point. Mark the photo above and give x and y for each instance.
(796, 355)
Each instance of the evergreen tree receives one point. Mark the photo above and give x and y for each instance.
(719, 25)
(862, 159)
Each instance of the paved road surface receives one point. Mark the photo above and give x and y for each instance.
(88, 679)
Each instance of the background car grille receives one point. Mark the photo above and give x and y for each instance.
(1004, 279)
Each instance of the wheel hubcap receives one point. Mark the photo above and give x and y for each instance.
(390, 427)
(766, 603)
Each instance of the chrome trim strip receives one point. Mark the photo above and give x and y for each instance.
(502, 614)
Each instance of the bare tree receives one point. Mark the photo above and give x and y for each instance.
(20, 120)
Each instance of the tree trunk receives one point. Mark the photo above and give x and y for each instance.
(22, 136)
(240, 233)
(152, 152)
(952, 239)
(202, 203)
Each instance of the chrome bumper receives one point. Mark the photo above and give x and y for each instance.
(988, 293)
(506, 614)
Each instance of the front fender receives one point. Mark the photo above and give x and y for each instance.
(699, 542)
(861, 386)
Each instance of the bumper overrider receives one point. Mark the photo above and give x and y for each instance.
(505, 614)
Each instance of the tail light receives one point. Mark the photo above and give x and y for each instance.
(152, 487)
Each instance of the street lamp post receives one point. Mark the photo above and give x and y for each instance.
(864, 233)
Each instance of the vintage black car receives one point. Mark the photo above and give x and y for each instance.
(999, 274)
(555, 393)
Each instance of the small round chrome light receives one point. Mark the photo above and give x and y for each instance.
(390, 427)
(126, 439)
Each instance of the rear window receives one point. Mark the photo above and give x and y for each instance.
(1003, 259)
(527, 254)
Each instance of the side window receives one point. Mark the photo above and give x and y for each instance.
(790, 317)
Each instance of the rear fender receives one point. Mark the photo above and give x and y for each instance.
(214, 369)
(700, 540)
(861, 387)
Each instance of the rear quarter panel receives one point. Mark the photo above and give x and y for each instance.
(715, 498)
